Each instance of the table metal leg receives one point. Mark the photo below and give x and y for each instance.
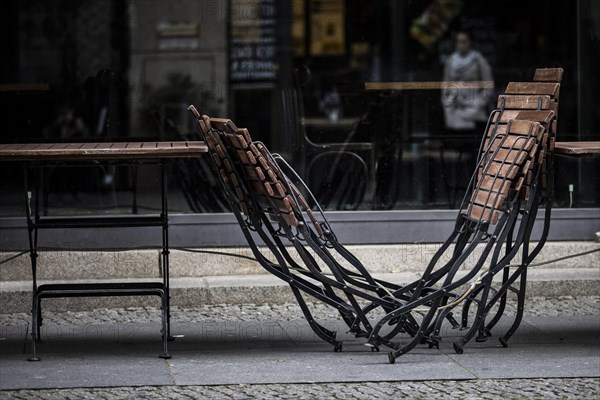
(32, 236)
(166, 312)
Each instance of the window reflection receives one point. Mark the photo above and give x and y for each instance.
(294, 73)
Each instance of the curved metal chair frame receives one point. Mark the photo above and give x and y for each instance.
(522, 101)
(546, 87)
(267, 203)
(513, 179)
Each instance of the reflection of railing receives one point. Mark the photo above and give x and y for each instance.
(391, 103)
(341, 180)
(343, 158)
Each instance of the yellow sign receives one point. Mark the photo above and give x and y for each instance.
(328, 28)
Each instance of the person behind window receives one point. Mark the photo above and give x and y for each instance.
(465, 110)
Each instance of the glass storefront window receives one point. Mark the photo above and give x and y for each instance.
(293, 72)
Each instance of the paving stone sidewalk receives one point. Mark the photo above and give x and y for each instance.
(537, 306)
(582, 388)
(484, 388)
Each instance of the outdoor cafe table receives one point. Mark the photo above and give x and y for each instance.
(577, 149)
(407, 88)
(35, 157)
(393, 125)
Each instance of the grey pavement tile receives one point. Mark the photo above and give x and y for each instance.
(250, 366)
(80, 356)
(526, 361)
(261, 344)
(541, 348)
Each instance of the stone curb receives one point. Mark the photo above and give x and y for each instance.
(15, 296)
(53, 265)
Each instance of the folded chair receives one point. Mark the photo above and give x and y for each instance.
(272, 211)
(536, 101)
(502, 195)
(497, 207)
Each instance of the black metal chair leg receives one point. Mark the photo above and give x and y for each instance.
(501, 306)
(393, 355)
(322, 332)
(479, 319)
(435, 331)
(467, 306)
(520, 309)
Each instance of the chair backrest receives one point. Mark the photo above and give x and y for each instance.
(554, 76)
(507, 159)
(250, 173)
(521, 99)
(531, 101)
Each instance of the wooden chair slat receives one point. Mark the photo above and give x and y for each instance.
(284, 204)
(244, 132)
(489, 199)
(235, 142)
(504, 155)
(524, 102)
(496, 185)
(548, 75)
(224, 125)
(478, 213)
(523, 127)
(533, 88)
(500, 170)
(216, 160)
(505, 116)
(544, 117)
(251, 157)
(243, 158)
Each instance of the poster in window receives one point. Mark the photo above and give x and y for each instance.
(299, 28)
(328, 28)
(252, 42)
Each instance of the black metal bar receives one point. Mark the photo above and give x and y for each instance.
(165, 259)
(101, 286)
(33, 256)
(98, 222)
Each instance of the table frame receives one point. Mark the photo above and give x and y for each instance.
(37, 157)
(37, 222)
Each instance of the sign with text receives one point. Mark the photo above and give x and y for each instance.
(177, 36)
(252, 49)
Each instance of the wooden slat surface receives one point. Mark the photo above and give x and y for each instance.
(401, 86)
(548, 75)
(100, 151)
(577, 149)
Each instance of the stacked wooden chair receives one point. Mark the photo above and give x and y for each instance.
(512, 179)
(302, 250)
(511, 182)
(535, 101)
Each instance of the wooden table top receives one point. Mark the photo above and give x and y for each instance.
(100, 151)
(401, 86)
(577, 149)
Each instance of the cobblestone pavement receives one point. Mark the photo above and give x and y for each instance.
(565, 305)
(575, 388)
(582, 388)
